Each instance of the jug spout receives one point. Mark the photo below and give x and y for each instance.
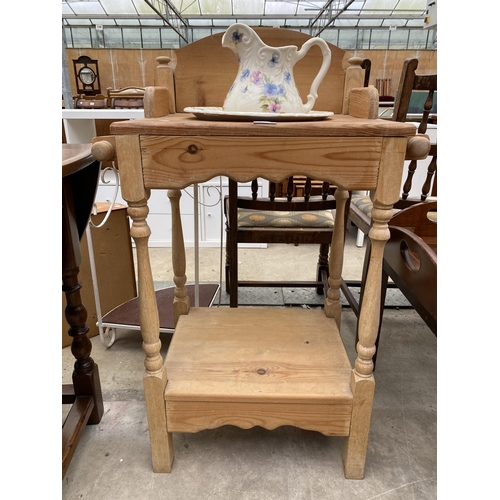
(265, 82)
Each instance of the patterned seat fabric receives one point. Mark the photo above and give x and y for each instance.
(364, 203)
(264, 218)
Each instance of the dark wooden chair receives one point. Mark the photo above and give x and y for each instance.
(416, 214)
(295, 219)
(126, 98)
(297, 211)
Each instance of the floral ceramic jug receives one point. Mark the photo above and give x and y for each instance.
(265, 83)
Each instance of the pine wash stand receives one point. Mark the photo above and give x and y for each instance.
(260, 366)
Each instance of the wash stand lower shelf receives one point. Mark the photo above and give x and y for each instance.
(252, 371)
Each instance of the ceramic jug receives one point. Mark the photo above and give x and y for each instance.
(265, 82)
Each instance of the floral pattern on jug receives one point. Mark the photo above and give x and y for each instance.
(265, 82)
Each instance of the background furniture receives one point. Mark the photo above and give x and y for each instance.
(86, 72)
(112, 281)
(291, 219)
(79, 182)
(257, 366)
(126, 98)
(97, 101)
(411, 263)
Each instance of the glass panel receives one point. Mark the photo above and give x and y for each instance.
(200, 22)
(331, 36)
(97, 38)
(415, 23)
(345, 22)
(187, 7)
(347, 39)
(131, 22)
(151, 38)
(372, 23)
(418, 39)
(199, 34)
(380, 39)
(279, 8)
(169, 39)
(248, 7)
(151, 22)
(364, 39)
(132, 38)
(393, 22)
(81, 37)
(104, 22)
(222, 22)
(113, 38)
(69, 41)
(81, 22)
(209, 7)
(432, 40)
(398, 39)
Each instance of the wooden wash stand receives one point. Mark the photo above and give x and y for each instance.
(260, 366)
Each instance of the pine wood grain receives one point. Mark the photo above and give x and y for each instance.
(216, 353)
(176, 162)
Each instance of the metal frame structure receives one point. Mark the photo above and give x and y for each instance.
(180, 15)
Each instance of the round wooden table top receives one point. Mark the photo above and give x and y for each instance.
(75, 157)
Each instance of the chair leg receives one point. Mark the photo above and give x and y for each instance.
(385, 280)
(228, 263)
(232, 244)
(228, 277)
(322, 268)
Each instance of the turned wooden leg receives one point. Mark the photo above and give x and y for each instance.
(362, 381)
(333, 306)
(155, 377)
(86, 374)
(181, 299)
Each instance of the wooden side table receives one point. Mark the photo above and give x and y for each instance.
(80, 173)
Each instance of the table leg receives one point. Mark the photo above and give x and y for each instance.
(86, 383)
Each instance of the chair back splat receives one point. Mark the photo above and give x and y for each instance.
(258, 366)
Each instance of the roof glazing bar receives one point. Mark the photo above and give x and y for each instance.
(160, 6)
(329, 13)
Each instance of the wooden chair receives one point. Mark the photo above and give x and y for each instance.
(417, 213)
(257, 366)
(294, 220)
(126, 98)
(297, 211)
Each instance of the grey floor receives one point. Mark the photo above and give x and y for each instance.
(112, 460)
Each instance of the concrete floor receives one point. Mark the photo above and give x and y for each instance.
(113, 460)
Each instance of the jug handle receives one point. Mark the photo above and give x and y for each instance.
(327, 56)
